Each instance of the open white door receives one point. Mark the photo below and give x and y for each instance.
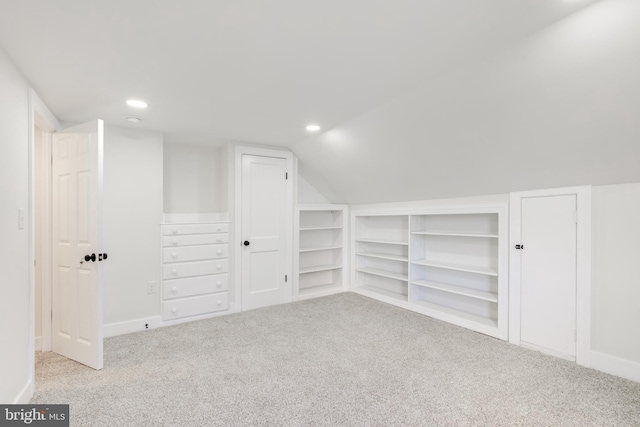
(76, 243)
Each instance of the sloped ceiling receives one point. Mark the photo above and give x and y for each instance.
(250, 70)
(560, 108)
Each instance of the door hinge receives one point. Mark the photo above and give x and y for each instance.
(286, 175)
(285, 278)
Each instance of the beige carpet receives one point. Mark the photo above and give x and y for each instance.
(343, 360)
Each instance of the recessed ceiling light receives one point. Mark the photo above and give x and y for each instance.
(133, 119)
(313, 128)
(136, 103)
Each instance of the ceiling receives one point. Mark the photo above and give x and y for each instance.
(250, 70)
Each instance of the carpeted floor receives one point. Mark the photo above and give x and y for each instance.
(343, 360)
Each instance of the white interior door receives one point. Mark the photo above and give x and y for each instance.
(76, 233)
(266, 225)
(548, 274)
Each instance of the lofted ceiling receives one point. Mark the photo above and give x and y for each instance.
(250, 70)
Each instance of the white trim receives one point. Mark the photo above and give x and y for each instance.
(615, 366)
(236, 225)
(45, 261)
(583, 270)
(39, 114)
(129, 326)
(25, 395)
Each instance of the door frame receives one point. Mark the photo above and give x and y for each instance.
(237, 213)
(40, 116)
(583, 265)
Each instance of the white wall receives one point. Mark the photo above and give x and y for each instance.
(616, 271)
(192, 179)
(15, 322)
(308, 194)
(132, 207)
(559, 109)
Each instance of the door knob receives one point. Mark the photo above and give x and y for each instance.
(246, 243)
(91, 257)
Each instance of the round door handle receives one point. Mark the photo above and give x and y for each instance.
(174, 255)
(174, 231)
(175, 242)
(219, 267)
(219, 251)
(174, 289)
(174, 272)
(174, 310)
(219, 284)
(246, 243)
(91, 258)
(219, 240)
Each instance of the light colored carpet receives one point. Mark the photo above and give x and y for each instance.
(343, 360)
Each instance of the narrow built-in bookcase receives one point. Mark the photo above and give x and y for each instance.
(447, 264)
(321, 250)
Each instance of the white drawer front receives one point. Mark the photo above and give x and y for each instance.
(175, 309)
(195, 239)
(195, 253)
(197, 268)
(190, 286)
(178, 229)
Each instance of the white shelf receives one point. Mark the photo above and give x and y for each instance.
(383, 241)
(457, 267)
(382, 273)
(319, 268)
(319, 248)
(320, 241)
(472, 293)
(457, 313)
(321, 228)
(454, 234)
(372, 289)
(384, 256)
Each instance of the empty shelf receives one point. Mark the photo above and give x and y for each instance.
(458, 267)
(383, 241)
(319, 268)
(319, 248)
(458, 313)
(391, 294)
(328, 227)
(384, 256)
(455, 234)
(459, 290)
(382, 273)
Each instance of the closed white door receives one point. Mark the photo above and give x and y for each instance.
(76, 232)
(266, 226)
(548, 274)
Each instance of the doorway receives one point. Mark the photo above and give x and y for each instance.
(66, 178)
(264, 214)
(549, 272)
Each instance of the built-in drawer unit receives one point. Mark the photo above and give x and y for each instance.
(195, 266)
(194, 306)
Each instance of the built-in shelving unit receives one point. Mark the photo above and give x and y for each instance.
(449, 264)
(321, 248)
(381, 256)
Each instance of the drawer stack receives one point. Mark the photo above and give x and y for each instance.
(195, 269)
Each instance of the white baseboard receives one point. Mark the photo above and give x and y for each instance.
(38, 343)
(615, 366)
(25, 394)
(121, 328)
